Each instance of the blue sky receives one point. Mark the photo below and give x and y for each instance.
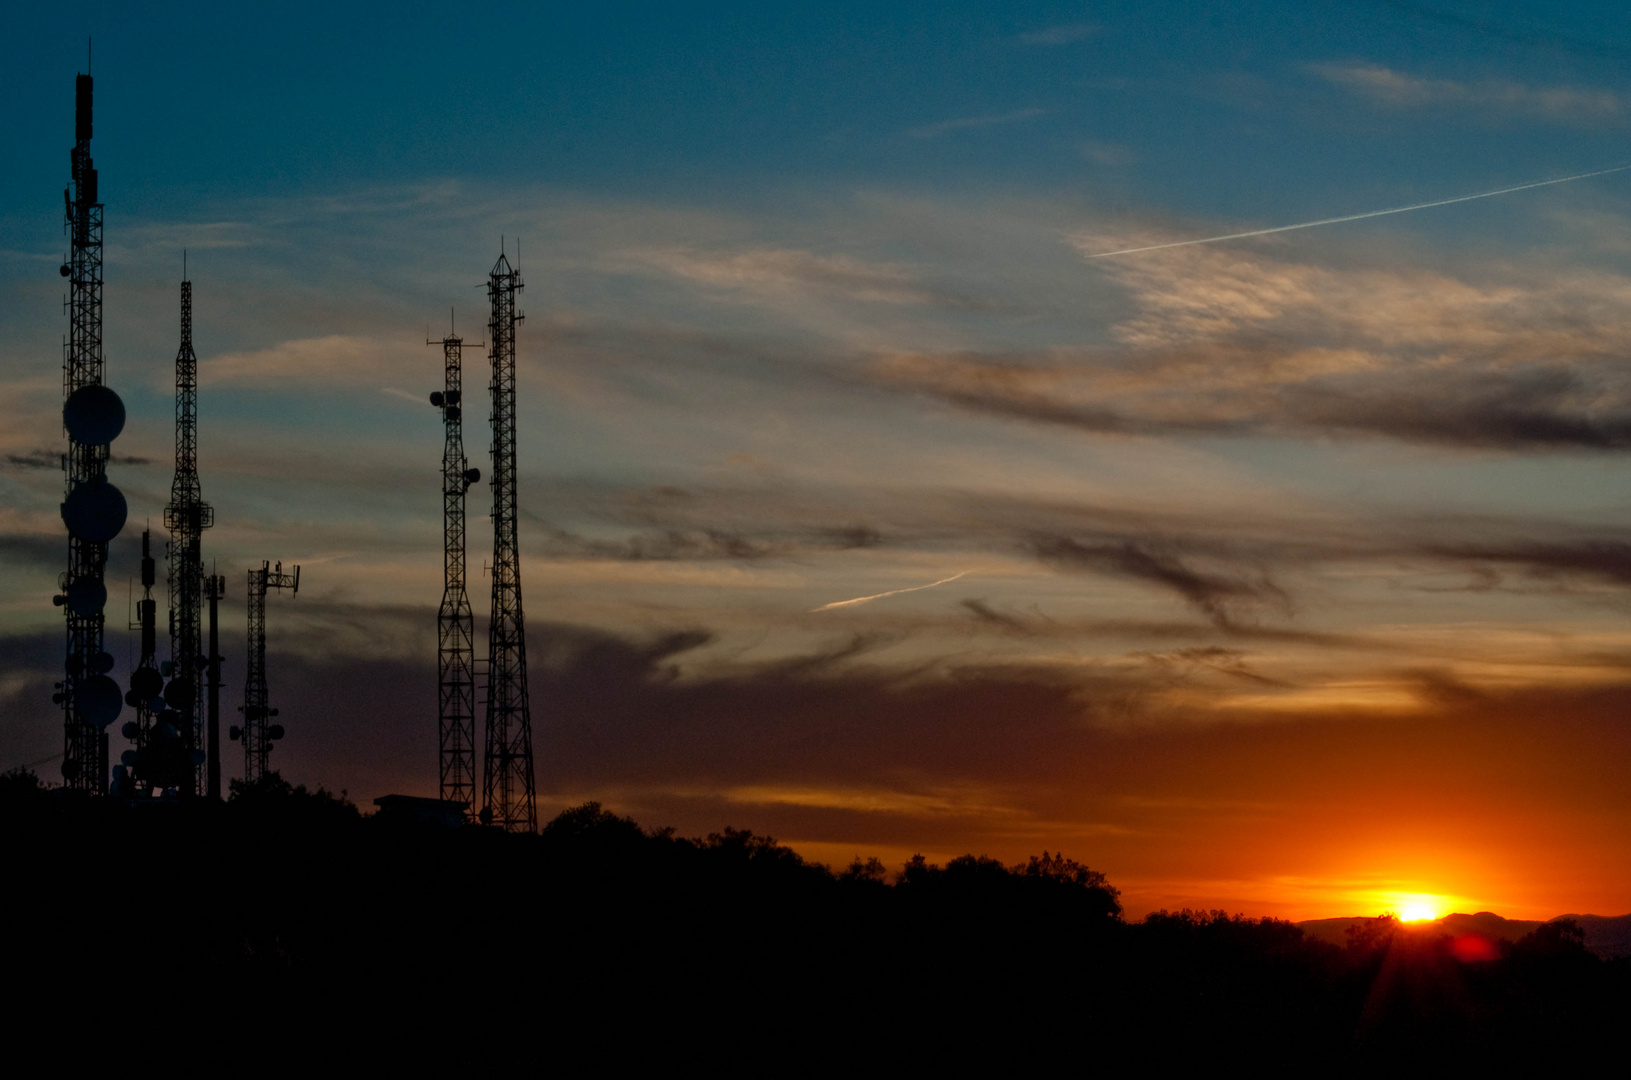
(811, 318)
(1220, 109)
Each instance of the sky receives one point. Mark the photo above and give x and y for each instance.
(1288, 575)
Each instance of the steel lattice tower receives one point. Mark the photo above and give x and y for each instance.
(256, 733)
(455, 624)
(187, 516)
(507, 778)
(90, 501)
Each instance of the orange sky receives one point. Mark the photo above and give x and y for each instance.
(1349, 815)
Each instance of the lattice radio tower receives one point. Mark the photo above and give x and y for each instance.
(93, 509)
(455, 624)
(187, 516)
(257, 734)
(507, 783)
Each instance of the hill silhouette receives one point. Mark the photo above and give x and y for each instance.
(286, 921)
(1608, 936)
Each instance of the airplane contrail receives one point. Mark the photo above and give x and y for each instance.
(891, 592)
(1357, 217)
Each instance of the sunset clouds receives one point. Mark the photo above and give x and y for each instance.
(1562, 104)
(1266, 574)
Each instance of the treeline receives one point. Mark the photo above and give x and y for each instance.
(291, 915)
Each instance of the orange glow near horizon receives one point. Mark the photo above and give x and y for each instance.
(1296, 821)
(1317, 897)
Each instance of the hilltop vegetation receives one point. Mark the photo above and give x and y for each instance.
(291, 907)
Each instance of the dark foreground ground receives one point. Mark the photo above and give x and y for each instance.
(284, 927)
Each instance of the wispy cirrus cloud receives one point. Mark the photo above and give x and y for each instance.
(336, 359)
(52, 459)
(973, 123)
(1399, 90)
(1062, 34)
(1535, 408)
(1602, 560)
(784, 272)
(1221, 596)
(705, 544)
(1241, 341)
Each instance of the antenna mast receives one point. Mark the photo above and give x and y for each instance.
(187, 516)
(215, 588)
(257, 735)
(93, 509)
(455, 624)
(507, 777)
(143, 768)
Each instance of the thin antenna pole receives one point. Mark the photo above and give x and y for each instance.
(215, 588)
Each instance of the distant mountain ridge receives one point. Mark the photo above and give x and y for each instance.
(1609, 936)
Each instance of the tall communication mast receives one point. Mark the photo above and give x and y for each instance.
(258, 735)
(507, 779)
(93, 509)
(187, 516)
(455, 624)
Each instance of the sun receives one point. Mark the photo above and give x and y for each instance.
(1418, 911)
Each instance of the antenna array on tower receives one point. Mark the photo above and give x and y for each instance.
(257, 733)
(455, 624)
(93, 509)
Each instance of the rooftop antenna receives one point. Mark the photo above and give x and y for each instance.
(257, 734)
(187, 516)
(93, 509)
(507, 775)
(455, 623)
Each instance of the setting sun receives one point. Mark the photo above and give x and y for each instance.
(1419, 909)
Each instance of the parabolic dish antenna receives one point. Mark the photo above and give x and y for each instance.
(93, 415)
(98, 700)
(87, 596)
(95, 511)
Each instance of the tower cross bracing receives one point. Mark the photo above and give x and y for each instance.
(455, 623)
(258, 733)
(507, 775)
(186, 517)
(85, 743)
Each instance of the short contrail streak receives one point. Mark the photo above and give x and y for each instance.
(891, 592)
(1358, 217)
